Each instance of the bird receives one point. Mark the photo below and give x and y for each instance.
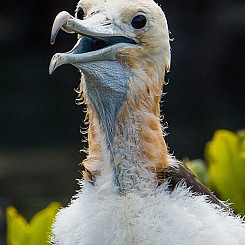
(133, 191)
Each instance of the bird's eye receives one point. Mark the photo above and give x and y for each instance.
(80, 14)
(139, 21)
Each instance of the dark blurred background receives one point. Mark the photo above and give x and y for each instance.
(40, 123)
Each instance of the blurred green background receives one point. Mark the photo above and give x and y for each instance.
(40, 123)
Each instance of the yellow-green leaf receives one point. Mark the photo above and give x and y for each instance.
(36, 232)
(226, 167)
(17, 228)
(41, 224)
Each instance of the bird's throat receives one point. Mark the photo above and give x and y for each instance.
(125, 136)
(135, 155)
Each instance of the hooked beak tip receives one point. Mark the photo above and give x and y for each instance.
(56, 61)
(52, 65)
(52, 41)
(59, 22)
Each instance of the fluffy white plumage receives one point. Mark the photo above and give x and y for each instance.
(177, 218)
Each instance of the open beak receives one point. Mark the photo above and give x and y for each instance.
(100, 38)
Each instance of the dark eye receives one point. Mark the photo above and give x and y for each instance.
(139, 21)
(80, 14)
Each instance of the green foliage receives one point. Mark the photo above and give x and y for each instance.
(225, 168)
(225, 155)
(37, 231)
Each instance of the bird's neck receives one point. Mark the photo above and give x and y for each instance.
(137, 152)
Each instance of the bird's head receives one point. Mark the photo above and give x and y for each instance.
(122, 49)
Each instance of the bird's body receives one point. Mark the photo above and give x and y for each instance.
(98, 216)
(133, 192)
